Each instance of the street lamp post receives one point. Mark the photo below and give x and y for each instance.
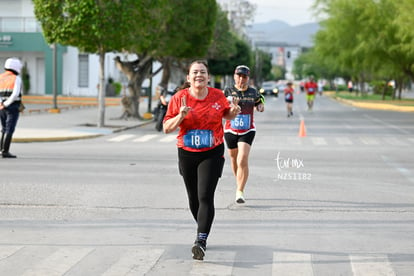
(148, 114)
(55, 108)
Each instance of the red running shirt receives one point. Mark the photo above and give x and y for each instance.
(289, 93)
(202, 128)
(311, 87)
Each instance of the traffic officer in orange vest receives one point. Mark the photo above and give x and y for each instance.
(10, 100)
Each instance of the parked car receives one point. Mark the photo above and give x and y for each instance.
(269, 88)
(281, 88)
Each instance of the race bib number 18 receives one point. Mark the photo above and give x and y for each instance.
(198, 139)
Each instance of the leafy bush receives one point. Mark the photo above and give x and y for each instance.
(342, 87)
(26, 80)
(378, 87)
(118, 88)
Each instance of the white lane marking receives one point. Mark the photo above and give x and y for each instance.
(8, 250)
(145, 138)
(215, 263)
(292, 264)
(120, 138)
(319, 141)
(59, 262)
(368, 141)
(135, 262)
(168, 138)
(343, 141)
(294, 140)
(371, 266)
(395, 141)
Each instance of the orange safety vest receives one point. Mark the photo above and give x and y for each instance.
(7, 80)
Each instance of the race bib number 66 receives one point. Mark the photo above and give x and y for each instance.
(198, 138)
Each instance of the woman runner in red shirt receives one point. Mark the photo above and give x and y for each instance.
(289, 98)
(198, 112)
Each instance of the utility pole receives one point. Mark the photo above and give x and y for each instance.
(55, 108)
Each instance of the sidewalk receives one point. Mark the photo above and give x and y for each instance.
(77, 119)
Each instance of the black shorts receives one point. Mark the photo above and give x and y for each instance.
(233, 139)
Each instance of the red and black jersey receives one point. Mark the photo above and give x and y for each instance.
(289, 94)
(244, 122)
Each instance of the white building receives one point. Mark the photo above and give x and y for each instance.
(77, 73)
(283, 54)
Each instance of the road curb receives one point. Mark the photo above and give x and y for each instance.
(53, 139)
(377, 106)
(84, 135)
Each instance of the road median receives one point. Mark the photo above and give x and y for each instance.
(397, 106)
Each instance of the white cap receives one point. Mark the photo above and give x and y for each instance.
(13, 64)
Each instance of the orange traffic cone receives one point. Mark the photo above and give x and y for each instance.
(302, 129)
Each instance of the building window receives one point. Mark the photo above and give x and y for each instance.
(83, 77)
(12, 24)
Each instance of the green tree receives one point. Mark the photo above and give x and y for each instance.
(223, 44)
(92, 26)
(262, 68)
(364, 39)
(337, 45)
(177, 30)
(404, 18)
(189, 37)
(151, 29)
(278, 72)
(240, 14)
(225, 66)
(26, 79)
(310, 63)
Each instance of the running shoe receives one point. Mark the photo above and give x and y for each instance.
(198, 250)
(240, 197)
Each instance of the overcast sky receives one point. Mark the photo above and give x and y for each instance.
(293, 12)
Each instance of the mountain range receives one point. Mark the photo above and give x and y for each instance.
(280, 31)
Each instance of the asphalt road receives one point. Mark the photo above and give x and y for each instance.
(339, 201)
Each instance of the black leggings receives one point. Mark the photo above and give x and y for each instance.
(201, 171)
